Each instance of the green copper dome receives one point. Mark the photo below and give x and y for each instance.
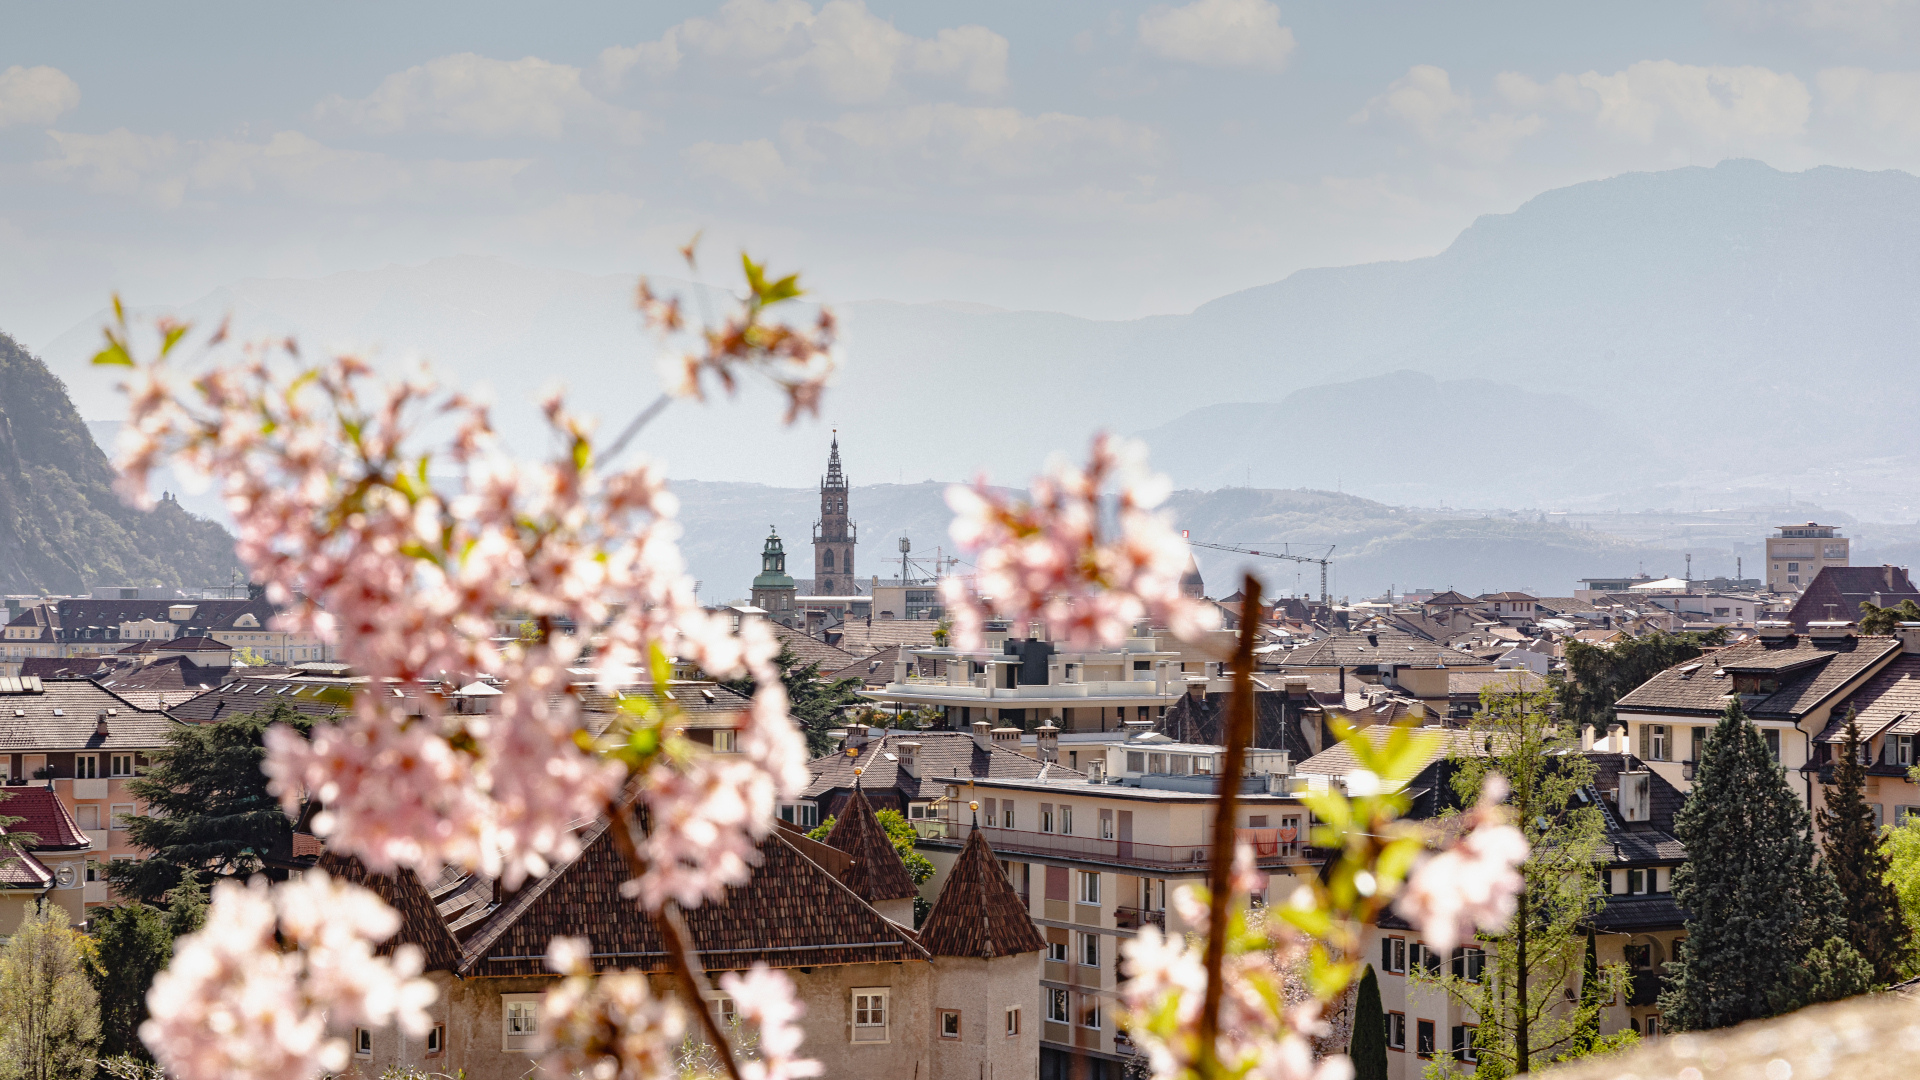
(773, 565)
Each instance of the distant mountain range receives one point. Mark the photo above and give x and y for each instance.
(62, 529)
(1727, 333)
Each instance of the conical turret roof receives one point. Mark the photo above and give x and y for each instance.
(877, 873)
(978, 913)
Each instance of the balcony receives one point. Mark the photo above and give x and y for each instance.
(1133, 853)
(1133, 918)
(1643, 988)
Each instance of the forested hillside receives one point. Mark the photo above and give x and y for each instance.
(62, 528)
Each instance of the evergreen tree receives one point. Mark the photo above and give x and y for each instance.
(1884, 620)
(210, 812)
(49, 1014)
(1368, 1050)
(814, 702)
(1758, 907)
(1518, 992)
(134, 942)
(1850, 849)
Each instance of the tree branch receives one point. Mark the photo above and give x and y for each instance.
(1220, 873)
(691, 981)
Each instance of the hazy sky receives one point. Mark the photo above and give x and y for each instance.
(1112, 160)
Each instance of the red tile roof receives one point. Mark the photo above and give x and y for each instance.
(791, 913)
(1836, 592)
(877, 872)
(44, 816)
(419, 923)
(978, 913)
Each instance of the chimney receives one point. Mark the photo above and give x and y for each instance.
(909, 757)
(1097, 770)
(1047, 742)
(1586, 736)
(900, 668)
(1616, 738)
(100, 724)
(1136, 728)
(982, 735)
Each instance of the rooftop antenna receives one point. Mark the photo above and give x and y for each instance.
(906, 545)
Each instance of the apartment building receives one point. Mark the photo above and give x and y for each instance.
(1025, 682)
(1796, 553)
(1095, 858)
(83, 743)
(77, 626)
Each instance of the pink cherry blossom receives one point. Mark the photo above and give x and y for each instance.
(257, 992)
(765, 999)
(609, 1027)
(1051, 557)
(1472, 884)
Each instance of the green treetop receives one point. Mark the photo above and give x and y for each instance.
(1368, 1049)
(1598, 676)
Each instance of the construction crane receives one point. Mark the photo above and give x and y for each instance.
(1289, 556)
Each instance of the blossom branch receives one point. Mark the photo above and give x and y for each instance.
(1220, 875)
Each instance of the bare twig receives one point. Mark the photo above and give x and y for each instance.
(633, 427)
(687, 975)
(1220, 871)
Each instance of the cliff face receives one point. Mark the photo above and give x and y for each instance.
(62, 529)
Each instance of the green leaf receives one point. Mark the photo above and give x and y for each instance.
(114, 355)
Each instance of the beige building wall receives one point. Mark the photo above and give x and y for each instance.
(1796, 556)
(999, 1020)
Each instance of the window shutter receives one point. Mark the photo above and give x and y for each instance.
(1386, 954)
(1646, 742)
(1459, 1041)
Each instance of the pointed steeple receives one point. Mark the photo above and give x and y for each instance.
(835, 478)
(978, 913)
(877, 873)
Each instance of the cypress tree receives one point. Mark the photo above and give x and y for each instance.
(1755, 899)
(1850, 848)
(1369, 1046)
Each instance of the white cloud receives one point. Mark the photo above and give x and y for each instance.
(165, 171)
(1883, 104)
(468, 94)
(35, 95)
(755, 167)
(1715, 106)
(843, 51)
(1219, 33)
(1425, 100)
(946, 143)
(1881, 23)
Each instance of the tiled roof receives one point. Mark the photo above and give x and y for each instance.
(811, 650)
(63, 667)
(877, 872)
(250, 693)
(1356, 650)
(1564, 605)
(702, 704)
(70, 615)
(1449, 599)
(943, 756)
(1337, 760)
(43, 815)
(1886, 704)
(1473, 682)
(1509, 597)
(874, 669)
(861, 638)
(24, 871)
(65, 716)
(791, 913)
(162, 683)
(1638, 842)
(420, 924)
(179, 644)
(1638, 914)
(977, 912)
(1700, 687)
(1837, 591)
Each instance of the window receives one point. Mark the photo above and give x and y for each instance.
(1424, 960)
(1046, 817)
(1463, 1048)
(1900, 750)
(436, 1039)
(87, 816)
(1469, 963)
(1653, 1026)
(1089, 949)
(1659, 741)
(121, 764)
(1156, 763)
(1393, 955)
(1136, 761)
(1636, 882)
(1089, 887)
(916, 811)
(1793, 566)
(1699, 743)
(1423, 1038)
(870, 1014)
(522, 1021)
(1396, 1031)
(1006, 814)
(1066, 821)
(949, 1023)
(726, 741)
(1106, 824)
(1153, 894)
(86, 767)
(1793, 579)
(1773, 743)
(1057, 1006)
(1090, 1013)
(1057, 951)
(362, 1042)
(1013, 1021)
(1256, 821)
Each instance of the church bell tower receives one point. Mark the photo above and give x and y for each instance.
(833, 535)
